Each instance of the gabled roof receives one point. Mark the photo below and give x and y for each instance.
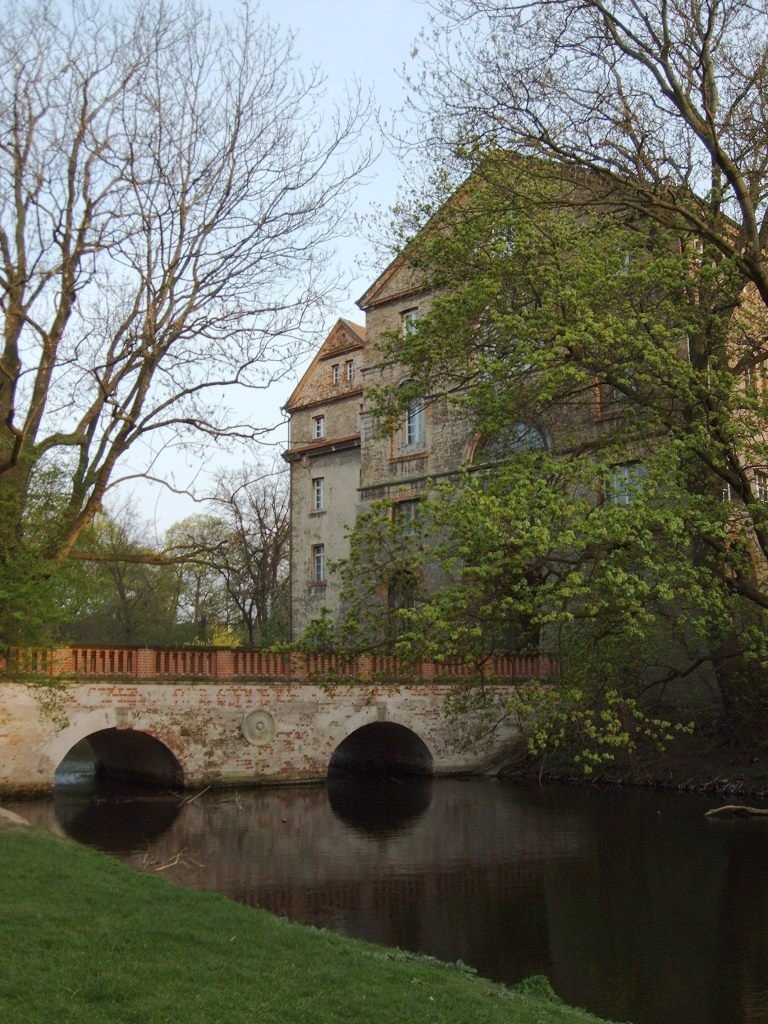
(345, 336)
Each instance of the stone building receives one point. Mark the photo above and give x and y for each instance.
(341, 459)
(324, 459)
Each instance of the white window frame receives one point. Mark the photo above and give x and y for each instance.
(406, 513)
(761, 486)
(625, 480)
(318, 427)
(318, 563)
(318, 493)
(408, 319)
(335, 373)
(415, 424)
(350, 369)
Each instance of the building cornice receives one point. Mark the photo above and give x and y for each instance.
(324, 447)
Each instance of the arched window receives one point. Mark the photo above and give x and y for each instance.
(414, 422)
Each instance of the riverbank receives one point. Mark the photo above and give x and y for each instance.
(696, 764)
(87, 940)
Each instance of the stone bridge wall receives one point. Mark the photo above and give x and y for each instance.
(226, 734)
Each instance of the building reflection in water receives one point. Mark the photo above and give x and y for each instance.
(632, 903)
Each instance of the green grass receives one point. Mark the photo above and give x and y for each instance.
(84, 939)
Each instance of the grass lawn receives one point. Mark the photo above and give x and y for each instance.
(85, 939)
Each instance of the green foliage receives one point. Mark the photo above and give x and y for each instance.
(121, 595)
(616, 347)
(34, 587)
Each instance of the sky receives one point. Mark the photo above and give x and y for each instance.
(349, 40)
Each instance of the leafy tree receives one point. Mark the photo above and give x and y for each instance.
(591, 522)
(611, 246)
(168, 188)
(203, 604)
(121, 592)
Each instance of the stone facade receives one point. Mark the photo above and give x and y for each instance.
(223, 733)
(324, 459)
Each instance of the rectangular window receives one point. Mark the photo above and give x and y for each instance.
(318, 563)
(335, 376)
(318, 426)
(761, 486)
(350, 368)
(318, 493)
(408, 319)
(414, 422)
(406, 513)
(624, 482)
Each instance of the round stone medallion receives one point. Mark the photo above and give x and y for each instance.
(258, 727)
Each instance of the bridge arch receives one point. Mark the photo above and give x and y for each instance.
(381, 748)
(121, 754)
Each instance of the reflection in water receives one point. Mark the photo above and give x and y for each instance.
(379, 806)
(633, 903)
(114, 819)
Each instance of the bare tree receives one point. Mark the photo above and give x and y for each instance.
(168, 187)
(668, 98)
(253, 565)
(238, 558)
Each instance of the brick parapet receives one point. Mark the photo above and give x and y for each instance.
(203, 664)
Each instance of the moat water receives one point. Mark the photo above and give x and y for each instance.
(634, 904)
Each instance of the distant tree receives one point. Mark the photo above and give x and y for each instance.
(120, 594)
(195, 543)
(237, 568)
(168, 186)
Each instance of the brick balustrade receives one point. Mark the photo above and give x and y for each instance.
(166, 663)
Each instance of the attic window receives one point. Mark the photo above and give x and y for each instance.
(335, 375)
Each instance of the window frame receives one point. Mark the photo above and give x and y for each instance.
(626, 479)
(318, 427)
(415, 427)
(405, 513)
(318, 493)
(408, 320)
(318, 564)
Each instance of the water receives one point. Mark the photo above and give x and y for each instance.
(634, 904)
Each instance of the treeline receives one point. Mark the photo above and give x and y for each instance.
(219, 577)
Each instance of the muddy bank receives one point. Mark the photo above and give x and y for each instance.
(693, 764)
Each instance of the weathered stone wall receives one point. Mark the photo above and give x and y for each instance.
(227, 734)
(329, 526)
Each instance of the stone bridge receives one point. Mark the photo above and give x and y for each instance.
(193, 718)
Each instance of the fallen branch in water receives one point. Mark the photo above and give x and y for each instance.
(182, 858)
(736, 811)
(189, 799)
